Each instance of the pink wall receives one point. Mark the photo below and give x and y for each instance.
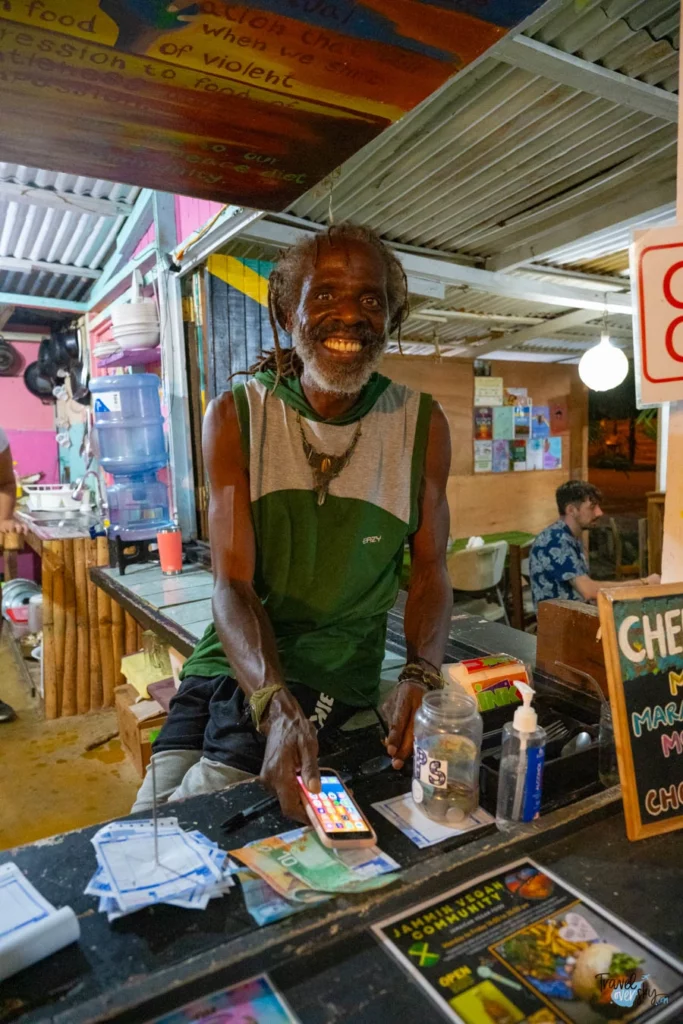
(191, 214)
(29, 424)
(35, 451)
(147, 239)
(19, 409)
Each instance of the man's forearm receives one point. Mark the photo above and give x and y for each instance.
(247, 636)
(427, 617)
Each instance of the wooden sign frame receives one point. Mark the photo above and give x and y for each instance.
(636, 828)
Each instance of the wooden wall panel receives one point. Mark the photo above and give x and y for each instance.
(451, 382)
(497, 502)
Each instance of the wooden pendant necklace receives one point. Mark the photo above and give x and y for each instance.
(326, 468)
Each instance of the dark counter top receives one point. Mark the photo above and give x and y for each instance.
(323, 959)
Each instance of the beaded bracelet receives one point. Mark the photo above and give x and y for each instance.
(259, 701)
(415, 673)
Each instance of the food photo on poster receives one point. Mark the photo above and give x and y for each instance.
(521, 945)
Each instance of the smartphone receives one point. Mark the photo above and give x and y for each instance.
(335, 816)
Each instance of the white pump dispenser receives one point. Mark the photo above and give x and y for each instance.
(525, 718)
(521, 765)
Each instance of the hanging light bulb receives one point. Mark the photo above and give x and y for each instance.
(604, 366)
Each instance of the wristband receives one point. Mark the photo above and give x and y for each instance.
(259, 702)
(414, 673)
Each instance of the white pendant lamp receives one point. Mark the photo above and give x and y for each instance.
(604, 366)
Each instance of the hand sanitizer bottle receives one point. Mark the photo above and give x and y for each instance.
(521, 765)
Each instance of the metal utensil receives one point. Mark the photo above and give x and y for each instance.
(557, 730)
(582, 740)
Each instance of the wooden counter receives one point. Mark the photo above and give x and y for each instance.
(85, 635)
(323, 958)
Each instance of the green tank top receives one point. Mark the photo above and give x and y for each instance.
(328, 574)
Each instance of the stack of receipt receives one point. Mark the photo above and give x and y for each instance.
(184, 869)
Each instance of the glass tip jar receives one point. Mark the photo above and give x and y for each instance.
(448, 734)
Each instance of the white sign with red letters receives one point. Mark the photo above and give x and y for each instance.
(657, 285)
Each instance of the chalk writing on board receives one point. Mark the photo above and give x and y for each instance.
(650, 643)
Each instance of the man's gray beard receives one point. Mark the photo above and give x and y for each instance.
(338, 379)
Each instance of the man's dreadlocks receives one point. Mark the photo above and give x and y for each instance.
(286, 279)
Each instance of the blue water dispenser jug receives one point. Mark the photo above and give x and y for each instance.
(130, 434)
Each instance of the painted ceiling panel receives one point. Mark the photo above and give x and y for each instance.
(243, 103)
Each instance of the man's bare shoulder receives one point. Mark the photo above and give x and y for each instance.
(222, 408)
(221, 434)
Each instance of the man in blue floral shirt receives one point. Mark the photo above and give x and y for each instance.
(557, 563)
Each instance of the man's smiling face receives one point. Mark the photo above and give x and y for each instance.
(340, 325)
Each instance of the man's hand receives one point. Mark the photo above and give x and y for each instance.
(291, 749)
(12, 526)
(399, 711)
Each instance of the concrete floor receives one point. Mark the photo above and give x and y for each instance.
(49, 782)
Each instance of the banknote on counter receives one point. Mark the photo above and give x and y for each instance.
(302, 870)
(262, 901)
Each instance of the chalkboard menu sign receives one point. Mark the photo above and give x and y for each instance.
(642, 631)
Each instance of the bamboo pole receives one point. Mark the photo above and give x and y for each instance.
(119, 640)
(94, 629)
(82, 630)
(105, 627)
(131, 634)
(12, 543)
(69, 685)
(59, 618)
(49, 668)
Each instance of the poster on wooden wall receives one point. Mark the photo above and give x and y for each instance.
(559, 415)
(249, 104)
(642, 629)
(488, 390)
(483, 424)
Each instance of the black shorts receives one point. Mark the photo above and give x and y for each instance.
(213, 715)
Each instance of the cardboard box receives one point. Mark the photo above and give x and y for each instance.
(138, 720)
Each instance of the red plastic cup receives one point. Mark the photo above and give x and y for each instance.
(170, 543)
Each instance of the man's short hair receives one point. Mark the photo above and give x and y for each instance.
(575, 492)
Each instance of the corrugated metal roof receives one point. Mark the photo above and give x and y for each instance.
(501, 156)
(487, 167)
(638, 38)
(60, 227)
(484, 167)
(610, 240)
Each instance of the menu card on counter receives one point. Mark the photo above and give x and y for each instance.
(522, 945)
(642, 630)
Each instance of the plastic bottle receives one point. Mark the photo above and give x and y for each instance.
(521, 765)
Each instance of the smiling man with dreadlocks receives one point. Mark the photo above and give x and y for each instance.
(320, 469)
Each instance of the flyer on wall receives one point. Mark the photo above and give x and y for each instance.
(521, 946)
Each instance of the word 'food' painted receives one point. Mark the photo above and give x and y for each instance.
(140, 92)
